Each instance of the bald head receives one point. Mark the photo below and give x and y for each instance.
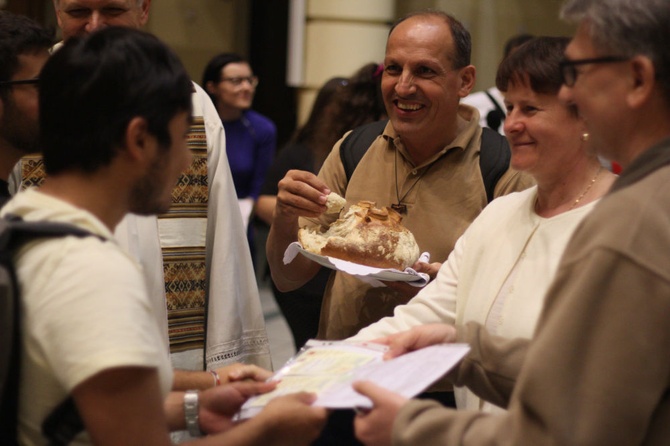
(462, 42)
(82, 17)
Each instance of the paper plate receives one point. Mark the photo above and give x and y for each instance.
(362, 271)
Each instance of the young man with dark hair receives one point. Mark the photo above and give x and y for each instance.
(195, 257)
(24, 47)
(115, 109)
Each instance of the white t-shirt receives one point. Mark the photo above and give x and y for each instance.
(85, 310)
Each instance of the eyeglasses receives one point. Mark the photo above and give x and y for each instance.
(569, 70)
(33, 81)
(237, 81)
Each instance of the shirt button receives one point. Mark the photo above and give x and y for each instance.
(414, 172)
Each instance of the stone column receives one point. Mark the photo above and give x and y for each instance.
(339, 37)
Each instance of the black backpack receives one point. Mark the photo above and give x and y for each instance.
(63, 424)
(494, 154)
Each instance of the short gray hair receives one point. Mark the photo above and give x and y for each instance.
(628, 28)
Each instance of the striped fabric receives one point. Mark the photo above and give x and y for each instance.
(182, 233)
(32, 171)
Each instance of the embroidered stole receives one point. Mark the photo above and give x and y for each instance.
(182, 232)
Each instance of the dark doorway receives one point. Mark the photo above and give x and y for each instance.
(267, 53)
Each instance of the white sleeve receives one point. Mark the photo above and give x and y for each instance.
(235, 324)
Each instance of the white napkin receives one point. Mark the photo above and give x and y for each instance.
(368, 274)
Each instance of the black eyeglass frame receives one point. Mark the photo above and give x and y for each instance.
(569, 71)
(237, 81)
(33, 81)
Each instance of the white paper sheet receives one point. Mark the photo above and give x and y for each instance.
(246, 208)
(329, 368)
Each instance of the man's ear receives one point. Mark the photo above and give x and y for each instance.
(57, 10)
(643, 81)
(139, 143)
(144, 17)
(467, 77)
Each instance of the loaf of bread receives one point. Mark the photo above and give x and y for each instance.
(367, 236)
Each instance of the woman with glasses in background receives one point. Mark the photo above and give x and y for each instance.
(251, 138)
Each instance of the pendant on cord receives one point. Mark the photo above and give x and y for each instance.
(399, 208)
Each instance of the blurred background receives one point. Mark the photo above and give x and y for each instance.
(294, 46)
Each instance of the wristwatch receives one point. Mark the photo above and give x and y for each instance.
(191, 413)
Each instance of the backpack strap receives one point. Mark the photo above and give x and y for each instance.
(63, 424)
(494, 158)
(13, 233)
(357, 143)
(494, 154)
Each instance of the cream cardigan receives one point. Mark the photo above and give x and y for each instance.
(505, 234)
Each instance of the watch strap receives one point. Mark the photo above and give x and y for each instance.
(191, 417)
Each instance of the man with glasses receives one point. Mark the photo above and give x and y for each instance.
(569, 67)
(598, 370)
(24, 48)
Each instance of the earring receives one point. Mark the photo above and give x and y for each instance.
(585, 136)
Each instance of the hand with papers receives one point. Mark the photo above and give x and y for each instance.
(289, 420)
(416, 338)
(374, 426)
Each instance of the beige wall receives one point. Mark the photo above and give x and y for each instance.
(199, 29)
(340, 37)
